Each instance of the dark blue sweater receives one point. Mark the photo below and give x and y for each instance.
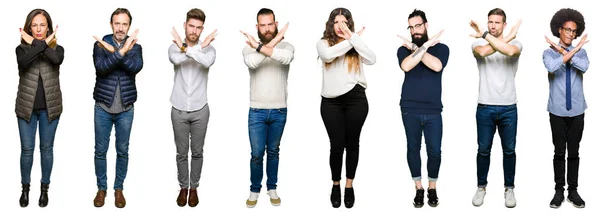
(422, 87)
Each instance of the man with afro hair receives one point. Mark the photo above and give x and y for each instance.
(566, 63)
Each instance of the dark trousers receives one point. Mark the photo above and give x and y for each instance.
(344, 117)
(566, 135)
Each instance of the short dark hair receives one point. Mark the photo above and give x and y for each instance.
(195, 13)
(419, 13)
(498, 11)
(265, 11)
(564, 15)
(120, 11)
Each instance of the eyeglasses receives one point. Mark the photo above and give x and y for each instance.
(569, 30)
(415, 26)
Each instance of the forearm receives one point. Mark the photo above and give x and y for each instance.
(56, 56)
(580, 61)
(176, 57)
(483, 51)
(502, 46)
(26, 57)
(132, 63)
(283, 55)
(552, 61)
(204, 56)
(432, 62)
(329, 53)
(104, 63)
(367, 54)
(252, 58)
(413, 59)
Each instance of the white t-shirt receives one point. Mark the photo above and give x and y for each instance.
(497, 76)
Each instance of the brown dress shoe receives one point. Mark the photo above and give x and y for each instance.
(119, 199)
(99, 200)
(182, 198)
(193, 200)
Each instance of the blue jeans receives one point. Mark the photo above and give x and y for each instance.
(490, 117)
(430, 125)
(103, 124)
(265, 128)
(27, 134)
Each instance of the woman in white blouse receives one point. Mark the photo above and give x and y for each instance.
(344, 105)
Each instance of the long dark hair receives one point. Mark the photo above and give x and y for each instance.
(30, 16)
(329, 35)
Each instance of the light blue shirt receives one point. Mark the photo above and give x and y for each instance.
(557, 103)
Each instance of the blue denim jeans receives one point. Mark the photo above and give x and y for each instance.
(415, 126)
(103, 124)
(27, 134)
(265, 128)
(490, 117)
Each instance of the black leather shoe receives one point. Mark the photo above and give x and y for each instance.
(432, 198)
(44, 195)
(349, 197)
(418, 201)
(336, 196)
(24, 200)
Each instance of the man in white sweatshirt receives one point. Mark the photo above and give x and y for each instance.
(268, 62)
(191, 59)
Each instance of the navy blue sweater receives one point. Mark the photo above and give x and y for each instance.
(422, 87)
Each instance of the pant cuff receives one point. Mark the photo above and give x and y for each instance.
(432, 179)
(418, 178)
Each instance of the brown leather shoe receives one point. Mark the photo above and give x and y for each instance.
(182, 198)
(99, 200)
(119, 199)
(193, 199)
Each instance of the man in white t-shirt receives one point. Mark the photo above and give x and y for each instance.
(497, 60)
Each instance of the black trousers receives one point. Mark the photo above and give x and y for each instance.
(566, 135)
(344, 117)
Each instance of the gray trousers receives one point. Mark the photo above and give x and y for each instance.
(189, 126)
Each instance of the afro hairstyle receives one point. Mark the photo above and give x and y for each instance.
(564, 15)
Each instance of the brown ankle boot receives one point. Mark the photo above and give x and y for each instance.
(99, 200)
(193, 199)
(182, 198)
(119, 199)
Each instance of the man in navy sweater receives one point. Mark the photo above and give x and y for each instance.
(117, 59)
(423, 61)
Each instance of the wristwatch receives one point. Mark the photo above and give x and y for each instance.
(183, 46)
(259, 47)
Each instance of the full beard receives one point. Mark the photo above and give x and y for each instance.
(420, 41)
(264, 39)
(192, 38)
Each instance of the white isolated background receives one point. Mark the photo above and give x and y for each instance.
(383, 183)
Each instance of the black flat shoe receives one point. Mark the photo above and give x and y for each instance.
(432, 198)
(336, 196)
(349, 197)
(418, 201)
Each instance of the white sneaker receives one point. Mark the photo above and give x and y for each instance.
(478, 198)
(275, 200)
(509, 198)
(252, 200)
